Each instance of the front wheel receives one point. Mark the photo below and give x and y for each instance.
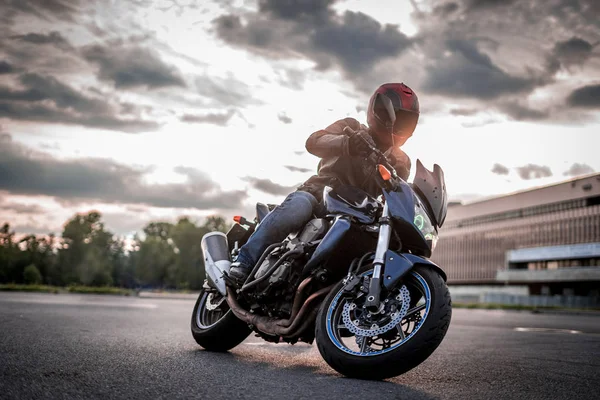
(214, 326)
(410, 324)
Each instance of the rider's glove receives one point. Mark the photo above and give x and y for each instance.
(358, 144)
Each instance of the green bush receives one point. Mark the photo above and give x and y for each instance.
(11, 287)
(99, 290)
(31, 275)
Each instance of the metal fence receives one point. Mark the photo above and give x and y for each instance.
(541, 301)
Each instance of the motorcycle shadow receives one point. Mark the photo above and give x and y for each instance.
(297, 369)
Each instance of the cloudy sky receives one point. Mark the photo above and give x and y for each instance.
(154, 109)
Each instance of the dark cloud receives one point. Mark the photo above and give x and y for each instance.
(19, 208)
(53, 38)
(464, 112)
(284, 118)
(297, 9)
(500, 169)
(579, 169)
(353, 41)
(268, 186)
(445, 9)
(65, 10)
(585, 97)
(575, 51)
(6, 68)
(297, 169)
(359, 41)
(465, 71)
(48, 53)
(27, 172)
(46, 99)
(484, 5)
(290, 77)
(229, 91)
(534, 171)
(519, 112)
(131, 66)
(221, 119)
(41, 88)
(469, 53)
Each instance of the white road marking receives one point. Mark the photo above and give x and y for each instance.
(82, 303)
(522, 329)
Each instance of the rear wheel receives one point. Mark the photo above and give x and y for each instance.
(410, 324)
(214, 326)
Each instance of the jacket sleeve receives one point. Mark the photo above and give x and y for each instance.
(402, 164)
(331, 141)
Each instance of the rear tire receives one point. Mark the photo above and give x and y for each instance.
(395, 360)
(217, 332)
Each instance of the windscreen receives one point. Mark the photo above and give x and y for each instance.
(431, 187)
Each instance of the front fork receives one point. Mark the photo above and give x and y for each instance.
(383, 243)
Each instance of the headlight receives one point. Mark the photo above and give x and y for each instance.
(431, 240)
(423, 223)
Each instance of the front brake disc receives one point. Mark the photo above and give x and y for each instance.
(375, 330)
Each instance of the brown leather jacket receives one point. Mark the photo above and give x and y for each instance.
(338, 167)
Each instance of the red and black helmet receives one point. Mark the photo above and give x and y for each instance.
(393, 108)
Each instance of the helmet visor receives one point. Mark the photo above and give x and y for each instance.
(400, 121)
(406, 122)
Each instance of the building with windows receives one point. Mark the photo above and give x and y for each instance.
(545, 240)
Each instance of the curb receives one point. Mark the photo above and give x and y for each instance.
(593, 313)
(178, 296)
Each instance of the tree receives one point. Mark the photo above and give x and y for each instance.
(95, 268)
(156, 259)
(86, 251)
(168, 256)
(31, 275)
(216, 223)
(9, 256)
(190, 267)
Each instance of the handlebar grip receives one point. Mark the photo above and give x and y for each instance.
(349, 130)
(375, 150)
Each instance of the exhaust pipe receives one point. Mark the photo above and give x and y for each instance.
(215, 251)
(273, 326)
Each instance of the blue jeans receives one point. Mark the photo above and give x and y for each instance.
(290, 216)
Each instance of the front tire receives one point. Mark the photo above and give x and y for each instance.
(401, 347)
(216, 329)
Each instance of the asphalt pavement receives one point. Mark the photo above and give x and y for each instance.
(87, 346)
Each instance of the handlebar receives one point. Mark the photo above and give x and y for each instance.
(381, 158)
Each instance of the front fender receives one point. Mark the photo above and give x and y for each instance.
(397, 265)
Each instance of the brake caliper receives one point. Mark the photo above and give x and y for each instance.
(353, 325)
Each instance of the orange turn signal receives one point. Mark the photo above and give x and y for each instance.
(237, 218)
(384, 172)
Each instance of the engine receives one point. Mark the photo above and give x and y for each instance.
(274, 295)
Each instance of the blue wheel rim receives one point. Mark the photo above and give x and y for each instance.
(332, 322)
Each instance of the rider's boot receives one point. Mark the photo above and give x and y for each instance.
(239, 272)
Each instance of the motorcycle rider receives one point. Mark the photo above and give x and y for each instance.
(344, 160)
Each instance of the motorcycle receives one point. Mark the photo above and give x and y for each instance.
(357, 279)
